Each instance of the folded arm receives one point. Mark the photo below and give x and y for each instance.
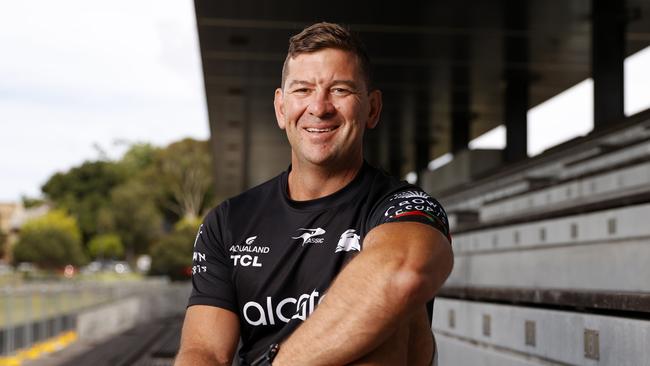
(401, 267)
(210, 336)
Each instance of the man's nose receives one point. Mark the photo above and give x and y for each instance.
(321, 106)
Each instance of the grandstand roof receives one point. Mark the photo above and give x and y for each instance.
(424, 50)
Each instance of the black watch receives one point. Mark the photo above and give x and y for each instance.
(267, 358)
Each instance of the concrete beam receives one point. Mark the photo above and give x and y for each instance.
(516, 94)
(607, 58)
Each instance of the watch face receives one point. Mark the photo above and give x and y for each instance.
(273, 351)
(268, 356)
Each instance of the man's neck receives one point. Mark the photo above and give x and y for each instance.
(308, 181)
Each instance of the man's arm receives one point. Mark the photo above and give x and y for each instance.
(401, 267)
(210, 336)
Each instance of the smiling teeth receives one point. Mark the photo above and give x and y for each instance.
(319, 129)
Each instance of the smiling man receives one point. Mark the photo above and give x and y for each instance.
(332, 262)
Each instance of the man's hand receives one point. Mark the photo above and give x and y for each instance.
(401, 267)
(210, 337)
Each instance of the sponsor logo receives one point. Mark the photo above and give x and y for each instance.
(416, 206)
(348, 241)
(247, 260)
(199, 269)
(198, 234)
(273, 312)
(309, 236)
(410, 194)
(198, 257)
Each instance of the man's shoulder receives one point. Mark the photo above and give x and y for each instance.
(251, 197)
(385, 185)
(268, 188)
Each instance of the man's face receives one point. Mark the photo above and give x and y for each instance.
(325, 107)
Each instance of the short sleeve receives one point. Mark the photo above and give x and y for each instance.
(211, 267)
(411, 204)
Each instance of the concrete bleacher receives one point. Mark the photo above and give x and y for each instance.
(152, 343)
(141, 327)
(600, 151)
(576, 192)
(532, 336)
(577, 252)
(551, 257)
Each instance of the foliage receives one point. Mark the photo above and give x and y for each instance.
(184, 170)
(106, 246)
(172, 255)
(83, 191)
(29, 202)
(3, 242)
(138, 196)
(137, 159)
(50, 241)
(188, 226)
(133, 215)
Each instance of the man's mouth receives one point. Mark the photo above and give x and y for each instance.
(320, 130)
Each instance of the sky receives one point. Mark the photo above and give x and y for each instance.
(78, 77)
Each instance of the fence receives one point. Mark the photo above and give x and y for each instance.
(32, 313)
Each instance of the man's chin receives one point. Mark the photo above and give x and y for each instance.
(329, 161)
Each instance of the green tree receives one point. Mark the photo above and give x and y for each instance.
(137, 159)
(29, 202)
(184, 170)
(50, 241)
(172, 255)
(134, 216)
(106, 246)
(3, 243)
(84, 191)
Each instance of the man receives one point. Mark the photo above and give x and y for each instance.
(331, 262)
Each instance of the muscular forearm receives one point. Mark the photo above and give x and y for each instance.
(379, 290)
(210, 335)
(194, 357)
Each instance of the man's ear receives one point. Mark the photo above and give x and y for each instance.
(278, 104)
(375, 108)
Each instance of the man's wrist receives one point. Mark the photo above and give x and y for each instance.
(267, 358)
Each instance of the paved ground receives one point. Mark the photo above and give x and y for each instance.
(149, 344)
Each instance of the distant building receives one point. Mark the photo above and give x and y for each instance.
(13, 216)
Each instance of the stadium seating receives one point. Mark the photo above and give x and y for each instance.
(551, 257)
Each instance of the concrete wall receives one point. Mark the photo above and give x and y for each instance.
(474, 333)
(466, 165)
(610, 185)
(605, 250)
(110, 319)
(269, 151)
(454, 351)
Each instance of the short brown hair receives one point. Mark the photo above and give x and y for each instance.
(324, 35)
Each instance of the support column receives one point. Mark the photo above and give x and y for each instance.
(516, 80)
(422, 130)
(371, 146)
(607, 57)
(395, 142)
(460, 96)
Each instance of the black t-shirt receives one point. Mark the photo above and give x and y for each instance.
(270, 259)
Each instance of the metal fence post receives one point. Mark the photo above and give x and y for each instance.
(8, 322)
(29, 319)
(57, 311)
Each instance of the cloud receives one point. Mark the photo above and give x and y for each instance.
(77, 73)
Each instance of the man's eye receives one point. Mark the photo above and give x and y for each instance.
(301, 90)
(340, 91)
